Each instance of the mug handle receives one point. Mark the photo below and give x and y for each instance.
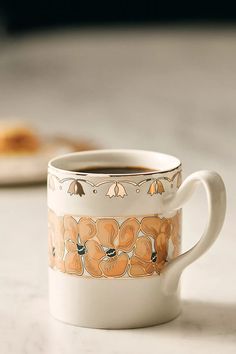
(216, 198)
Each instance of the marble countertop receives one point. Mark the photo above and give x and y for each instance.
(170, 90)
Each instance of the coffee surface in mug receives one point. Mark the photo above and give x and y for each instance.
(115, 170)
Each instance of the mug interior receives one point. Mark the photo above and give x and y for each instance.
(154, 161)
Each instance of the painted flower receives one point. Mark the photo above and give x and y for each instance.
(76, 188)
(156, 187)
(56, 246)
(160, 230)
(116, 242)
(76, 235)
(151, 250)
(144, 260)
(116, 190)
(102, 249)
(95, 253)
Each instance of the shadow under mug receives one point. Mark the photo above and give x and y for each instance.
(114, 239)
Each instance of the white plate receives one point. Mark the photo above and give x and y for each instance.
(32, 168)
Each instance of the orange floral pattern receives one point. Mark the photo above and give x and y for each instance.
(110, 248)
(148, 259)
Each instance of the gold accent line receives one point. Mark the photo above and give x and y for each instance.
(136, 184)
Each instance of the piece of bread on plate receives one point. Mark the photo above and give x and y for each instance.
(17, 138)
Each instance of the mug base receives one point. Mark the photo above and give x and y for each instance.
(114, 327)
(110, 303)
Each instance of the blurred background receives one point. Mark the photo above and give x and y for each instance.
(133, 75)
(148, 75)
(126, 74)
(122, 74)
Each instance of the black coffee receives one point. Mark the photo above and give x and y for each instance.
(116, 170)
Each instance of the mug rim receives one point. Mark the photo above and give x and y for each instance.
(63, 157)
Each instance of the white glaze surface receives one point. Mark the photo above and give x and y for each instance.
(113, 304)
(182, 86)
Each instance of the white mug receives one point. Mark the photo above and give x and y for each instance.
(114, 240)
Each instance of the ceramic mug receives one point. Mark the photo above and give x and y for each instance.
(114, 240)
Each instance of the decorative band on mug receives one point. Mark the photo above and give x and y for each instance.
(112, 247)
(115, 188)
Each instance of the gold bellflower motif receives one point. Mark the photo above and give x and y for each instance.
(76, 188)
(116, 190)
(156, 187)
